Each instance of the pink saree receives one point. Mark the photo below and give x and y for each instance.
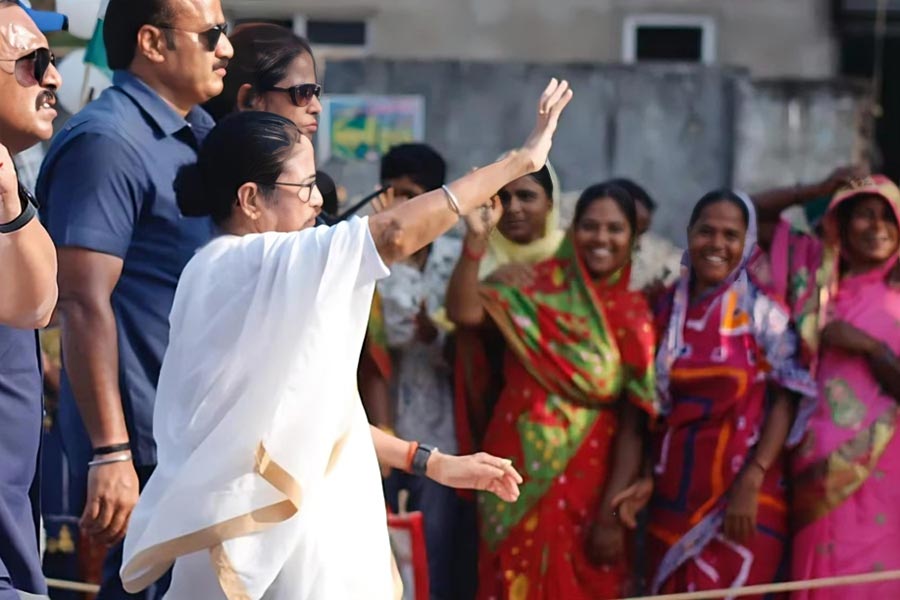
(846, 471)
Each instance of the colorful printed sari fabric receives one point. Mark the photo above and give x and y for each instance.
(575, 348)
(376, 344)
(717, 355)
(795, 257)
(846, 470)
(477, 373)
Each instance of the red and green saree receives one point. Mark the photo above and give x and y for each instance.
(574, 349)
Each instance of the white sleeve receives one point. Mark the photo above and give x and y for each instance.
(371, 267)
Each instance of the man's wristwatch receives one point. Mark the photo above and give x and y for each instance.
(420, 459)
(29, 212)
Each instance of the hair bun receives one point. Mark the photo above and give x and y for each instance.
(191, 192)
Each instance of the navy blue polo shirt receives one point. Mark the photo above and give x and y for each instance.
(21, 413)
(107, 185)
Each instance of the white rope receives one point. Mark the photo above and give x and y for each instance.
(774, 588)
(750, 590)
(73, 586)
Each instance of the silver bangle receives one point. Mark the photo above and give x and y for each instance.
(451, 199)
(108, 461)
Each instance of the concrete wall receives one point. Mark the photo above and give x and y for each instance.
(679, 131)
(791, 132)
(773, 38)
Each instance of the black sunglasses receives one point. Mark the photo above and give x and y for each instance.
(211, 36)
(301, 95)
(41, 58)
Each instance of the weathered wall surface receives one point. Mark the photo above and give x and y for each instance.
(679, 131)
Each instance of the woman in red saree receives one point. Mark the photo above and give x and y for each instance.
(718, 516)
(578, 376)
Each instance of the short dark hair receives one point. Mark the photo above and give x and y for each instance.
(636, 191)
(263, 53)
(714, 197)
(599, 191)
(243, 147)
(420, 162)
(123, 20)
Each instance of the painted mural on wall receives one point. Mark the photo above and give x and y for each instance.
(364, 127)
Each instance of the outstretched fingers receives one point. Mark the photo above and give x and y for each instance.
(563, 101)
(543, 102)
(555, 97)
(505, 480)
(503, 464)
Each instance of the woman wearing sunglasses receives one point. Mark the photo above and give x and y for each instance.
(273, 70)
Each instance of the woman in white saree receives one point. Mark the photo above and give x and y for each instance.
(267, 484)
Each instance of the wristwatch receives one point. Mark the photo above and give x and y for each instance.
(420, 459)
(29, 212)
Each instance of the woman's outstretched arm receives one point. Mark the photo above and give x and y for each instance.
(479, 471)
(404, 229)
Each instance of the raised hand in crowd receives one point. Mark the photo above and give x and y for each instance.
(841, 177)
(383, 201)
(27, 255)
(771, 203)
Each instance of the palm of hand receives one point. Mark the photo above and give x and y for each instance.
(553, 101)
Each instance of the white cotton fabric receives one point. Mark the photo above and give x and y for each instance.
(266, 332)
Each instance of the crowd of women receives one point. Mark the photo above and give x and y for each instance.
(750, 407)
(737, 424)
(747, 410)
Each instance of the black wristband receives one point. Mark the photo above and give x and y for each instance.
(104, 450)
(28, 213)
(420, 459)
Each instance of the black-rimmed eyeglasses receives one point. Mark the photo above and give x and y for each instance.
(304, 190)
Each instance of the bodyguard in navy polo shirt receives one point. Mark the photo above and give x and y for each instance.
(107, 189)
(28, 80)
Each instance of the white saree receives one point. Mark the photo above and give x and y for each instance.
(267, 483)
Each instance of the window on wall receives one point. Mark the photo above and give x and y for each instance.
(674, 38)
(337, 33)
